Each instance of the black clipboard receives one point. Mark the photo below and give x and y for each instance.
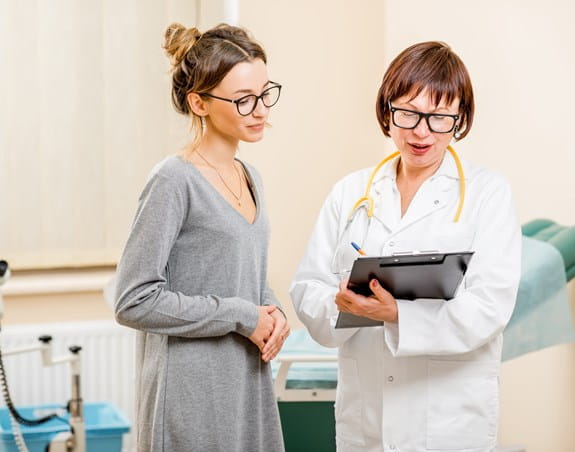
(406, 277)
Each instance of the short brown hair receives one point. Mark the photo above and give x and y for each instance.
(201, 61)
(432, 65)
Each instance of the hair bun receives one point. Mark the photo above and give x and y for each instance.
(178, 40)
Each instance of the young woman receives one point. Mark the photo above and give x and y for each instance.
(428, 378)
(192, 278)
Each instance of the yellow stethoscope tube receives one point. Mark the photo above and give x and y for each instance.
(368, 199)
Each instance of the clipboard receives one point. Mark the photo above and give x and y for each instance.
(406, 277)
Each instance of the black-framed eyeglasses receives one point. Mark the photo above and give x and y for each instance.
(409, 119)
(247, 104)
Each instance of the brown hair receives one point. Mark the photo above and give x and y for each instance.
(432, 65)
(201, 61)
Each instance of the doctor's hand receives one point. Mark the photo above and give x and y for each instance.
(380, 306)
(264, 327)
(279, 335)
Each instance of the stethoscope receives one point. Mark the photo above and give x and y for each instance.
(366, 203)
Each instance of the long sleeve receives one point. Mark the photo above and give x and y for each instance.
(314, 286)
(145, 299)
(270, 299)
(483, 306)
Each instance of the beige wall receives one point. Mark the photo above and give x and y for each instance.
(330, 56)
(57, 296)
(56, 307)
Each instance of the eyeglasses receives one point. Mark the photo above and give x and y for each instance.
(409, 119)
(247, 104)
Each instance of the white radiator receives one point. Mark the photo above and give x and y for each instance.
(107, 360)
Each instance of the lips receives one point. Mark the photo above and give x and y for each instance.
(256, 127)
(419, 148)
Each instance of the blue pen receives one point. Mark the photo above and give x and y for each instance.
(358, 248)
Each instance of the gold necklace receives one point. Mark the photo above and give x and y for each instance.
(237, 197)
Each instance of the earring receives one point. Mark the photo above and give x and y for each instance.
(457, 133)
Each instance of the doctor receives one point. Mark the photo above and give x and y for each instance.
(428, 378)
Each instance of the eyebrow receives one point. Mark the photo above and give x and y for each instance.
(437, 111)
(249, 91)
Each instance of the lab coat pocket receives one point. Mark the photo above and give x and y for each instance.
(463, 404)
(343, 261)
(454, 237)
(348, 403)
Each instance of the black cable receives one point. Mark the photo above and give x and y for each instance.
(8, 400)
(3, 268)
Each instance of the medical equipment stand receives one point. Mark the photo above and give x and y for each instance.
(75, 439)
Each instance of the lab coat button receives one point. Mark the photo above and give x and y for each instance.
(391, 243)
(390, 378)
(392, 447)
(436, 202)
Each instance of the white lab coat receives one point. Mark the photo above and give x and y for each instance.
(431, 381)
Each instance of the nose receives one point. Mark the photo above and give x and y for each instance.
(261, 110)
(422, 129)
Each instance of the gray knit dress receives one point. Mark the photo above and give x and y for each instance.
(190, 278)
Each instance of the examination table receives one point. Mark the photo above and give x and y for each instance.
(306, 390)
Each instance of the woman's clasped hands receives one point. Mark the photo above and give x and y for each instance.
(271, 331)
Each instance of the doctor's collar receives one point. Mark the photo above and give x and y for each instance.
(447, 168)
(388, 171)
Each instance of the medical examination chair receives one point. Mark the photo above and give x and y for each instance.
(306, 373)
(560, 237)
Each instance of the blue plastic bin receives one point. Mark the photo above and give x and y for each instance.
(105, 425)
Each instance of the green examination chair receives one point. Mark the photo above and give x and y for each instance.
(561, 237)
